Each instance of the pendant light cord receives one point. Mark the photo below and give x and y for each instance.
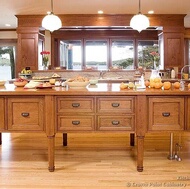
(139, 6)
(52, 6)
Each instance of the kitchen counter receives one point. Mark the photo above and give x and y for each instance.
(96, 108)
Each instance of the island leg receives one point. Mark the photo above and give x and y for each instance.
(51, 149)
(140, 153)
(0, 138)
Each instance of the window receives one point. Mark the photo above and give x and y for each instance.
(71, 54)
(145, 48)
(96, 54)
(122, 54)
(7, 60)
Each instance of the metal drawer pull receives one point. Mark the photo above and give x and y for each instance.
(75, 122)
(25, 114)
(115, 105)
(75, 105)
(115, 122)
(166, 114)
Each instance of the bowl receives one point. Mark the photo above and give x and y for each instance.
(93, 81)
(2, 82)
(77, 83)
(20, 84)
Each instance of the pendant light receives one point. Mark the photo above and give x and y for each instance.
(139, 22)
(51, 22)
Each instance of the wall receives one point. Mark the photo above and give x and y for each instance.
(8, 35)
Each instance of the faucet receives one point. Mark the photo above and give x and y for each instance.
(182, 83)
(183, 69)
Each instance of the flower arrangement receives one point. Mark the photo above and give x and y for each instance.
(156, 58)
(45, 58)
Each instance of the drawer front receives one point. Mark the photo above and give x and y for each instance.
(2, 114)
(25, 114)
(116, 123)
(76, 123)
(115, 105)
(166, 113)
(72, 104)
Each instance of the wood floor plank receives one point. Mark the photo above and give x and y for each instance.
(92, 161)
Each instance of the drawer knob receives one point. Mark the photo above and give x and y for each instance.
(75, 122)
(115, 105)
(25, 114)
(166, 114)
(115, 122)
(75, 105)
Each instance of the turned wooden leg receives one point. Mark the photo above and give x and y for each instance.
(64, 139)
(140, 153)
(132, 139)
(51, 151)
(0, 138)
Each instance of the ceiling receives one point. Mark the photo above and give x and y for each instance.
(10, 8)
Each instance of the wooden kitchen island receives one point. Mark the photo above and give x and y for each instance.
(96, 108)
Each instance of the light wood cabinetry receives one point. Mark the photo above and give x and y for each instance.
(2, 114)
(166, 114)
(67, 110)
(75, 113)
(115, 114)
(25, 114)
(188, 115)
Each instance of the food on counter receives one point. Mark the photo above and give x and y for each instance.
(20, 82)
(24, 71)
(131, 85)
(78, 79)
(167, 85)
(55, 75)
(188, 86)
(40, 77)
(158, 85)
(2, 82)
(52, 81)
(147, 83)
(123, 86)
(176, 85)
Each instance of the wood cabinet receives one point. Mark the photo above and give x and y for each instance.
(25, 114)
(188, 114)
(2, 114)
(75, 113)
(166, 114)
(115, 114)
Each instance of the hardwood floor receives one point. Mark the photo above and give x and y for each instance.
(92, 161)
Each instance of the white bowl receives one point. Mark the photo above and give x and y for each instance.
(77, 83)
(93, 81)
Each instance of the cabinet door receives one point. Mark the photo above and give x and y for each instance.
(2, 114)
(25, 114)
(166, 114)
(188, 114)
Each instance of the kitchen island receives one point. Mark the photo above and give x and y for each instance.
(96, 108)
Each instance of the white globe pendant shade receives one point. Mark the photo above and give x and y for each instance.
(139, 22)
(51, 22)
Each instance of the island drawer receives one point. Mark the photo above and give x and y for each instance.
(117, 123)
(115, 105)
(25, 114)
(75, 104)
(166, 113)
(75, 123)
